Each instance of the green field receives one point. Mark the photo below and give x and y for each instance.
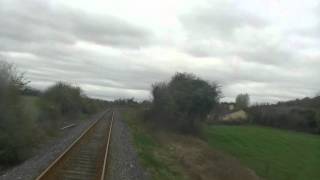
(273, 154)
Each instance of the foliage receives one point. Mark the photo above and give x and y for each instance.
(183, 103)
(273, 154)
(18, 131)
(242, 101)
(305, 102)
(29, 91)
(90, 106)
(64, 100)
(19, 112)
(286, 117)
(125, 102)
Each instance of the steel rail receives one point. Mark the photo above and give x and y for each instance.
(104, 167)
(65, 152)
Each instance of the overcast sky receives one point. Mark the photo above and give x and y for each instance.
(118, 48)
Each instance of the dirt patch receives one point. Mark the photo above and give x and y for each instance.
(200, 162)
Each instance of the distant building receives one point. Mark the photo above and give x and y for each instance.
(226, 112)
(235, 116)
(220, 111)
(225, 108)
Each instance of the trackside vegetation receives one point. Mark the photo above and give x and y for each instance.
(176, 156)
(28, 116)
(271, 153)
(159, 166)
(18, 131)
(64, 101)
(183, 103)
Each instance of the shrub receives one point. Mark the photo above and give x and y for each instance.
(286, 117)
(90, 106)
(18, 132)
(63, 100)
(183, 103)
(60, 100)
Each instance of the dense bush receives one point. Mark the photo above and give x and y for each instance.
(183, 103)
(63, 100)
(90, 106)
(19, 127)
(18, 132)
(286, 117)
(29, 91)
(66, 99)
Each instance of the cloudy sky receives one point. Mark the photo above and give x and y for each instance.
(118, 48)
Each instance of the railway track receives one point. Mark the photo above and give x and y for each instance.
(86, 158)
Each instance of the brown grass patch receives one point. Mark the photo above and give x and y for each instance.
(200, 162)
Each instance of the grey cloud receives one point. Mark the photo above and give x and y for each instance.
(259, 52)
(110, 30)
(212, 33)
(41, 37)
(273, 55)
(210, 48)
(34, 21)
(219, 20)
(222, 30)
(91, 68)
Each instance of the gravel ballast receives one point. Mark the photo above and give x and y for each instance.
(32, 167)
(124, 162)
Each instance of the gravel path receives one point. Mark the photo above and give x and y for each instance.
(35, 165)
(124, 163)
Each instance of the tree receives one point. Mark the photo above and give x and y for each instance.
(242, 101)
(184, 102)
(63, 100)
(30, 91)
(60, 100)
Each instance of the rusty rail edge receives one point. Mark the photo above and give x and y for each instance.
(104, 167)
(69, 147)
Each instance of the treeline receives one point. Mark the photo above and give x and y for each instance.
(129, 102)
(20, 130)
(64, 101)
(299, 115)
(305, 102)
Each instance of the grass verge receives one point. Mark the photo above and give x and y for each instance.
(271, 153)
(158, 159)
(172, 156)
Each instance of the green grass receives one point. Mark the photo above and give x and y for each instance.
(154, 156)
(273, 154)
